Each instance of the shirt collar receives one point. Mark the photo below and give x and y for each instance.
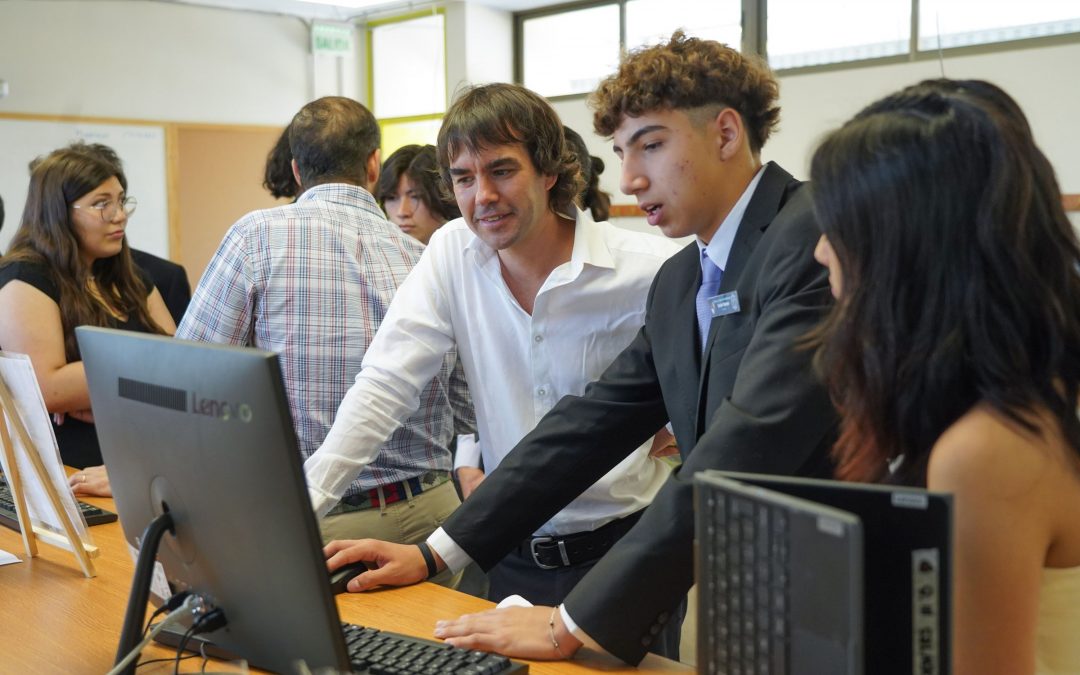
(590, 245)
(342, 193)
(719, 248)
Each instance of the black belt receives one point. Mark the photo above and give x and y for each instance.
(550, 553)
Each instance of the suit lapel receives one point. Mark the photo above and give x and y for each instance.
(763, 207)
(684, 337)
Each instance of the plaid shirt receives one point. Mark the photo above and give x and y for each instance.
(311, 281)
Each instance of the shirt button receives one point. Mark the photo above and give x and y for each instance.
(541, 391)
(538, 338)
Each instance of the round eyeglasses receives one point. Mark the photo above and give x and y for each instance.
(109, 209)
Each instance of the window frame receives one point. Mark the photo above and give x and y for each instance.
(755, 40)
(369, 49)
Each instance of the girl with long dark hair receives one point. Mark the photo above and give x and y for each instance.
(953, 352)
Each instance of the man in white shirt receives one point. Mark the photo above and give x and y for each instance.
(538, 299)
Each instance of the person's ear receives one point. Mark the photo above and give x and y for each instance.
(295, 172)
(730, 132)
(373, 165)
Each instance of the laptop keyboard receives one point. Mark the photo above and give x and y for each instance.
(381, 653)
(9, 517)
(748, 600)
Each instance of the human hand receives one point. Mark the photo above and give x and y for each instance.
(469, 477)
(393, 564)
(522, 632)
(663, 444)
(92, 481)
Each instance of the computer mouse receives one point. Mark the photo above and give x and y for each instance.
(339, 578)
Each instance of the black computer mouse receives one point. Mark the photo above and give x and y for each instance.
(339, 578)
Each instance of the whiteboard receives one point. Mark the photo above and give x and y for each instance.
(141, 148)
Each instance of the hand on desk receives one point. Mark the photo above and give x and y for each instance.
(90, 482)
(521, 632)
(395, 564)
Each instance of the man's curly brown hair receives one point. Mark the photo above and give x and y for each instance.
(687, 73)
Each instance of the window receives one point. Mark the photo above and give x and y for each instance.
(653, 21)
(556, 55)
(408, 67)
(959, 23)
(804, 33)
(570, 52)
(399, 132)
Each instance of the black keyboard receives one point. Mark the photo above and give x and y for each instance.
(9, 518)
(375, 652)
(381, 653)
(748, 611)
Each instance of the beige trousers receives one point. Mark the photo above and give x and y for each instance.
(408, 521)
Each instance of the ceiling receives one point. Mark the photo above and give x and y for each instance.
(342, 12)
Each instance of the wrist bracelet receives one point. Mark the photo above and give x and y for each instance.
(551, 633)
(429, 559)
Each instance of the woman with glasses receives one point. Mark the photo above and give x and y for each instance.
(69, 265)
(953, 351)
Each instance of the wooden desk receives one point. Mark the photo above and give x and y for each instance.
(52, 619)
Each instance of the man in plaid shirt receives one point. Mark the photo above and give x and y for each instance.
(311, 281)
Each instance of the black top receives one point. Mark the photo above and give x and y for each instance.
(169, 278)
(77, 440)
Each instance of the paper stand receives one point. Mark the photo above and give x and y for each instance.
(13, 423)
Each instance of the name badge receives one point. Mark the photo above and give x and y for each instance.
(724, 304)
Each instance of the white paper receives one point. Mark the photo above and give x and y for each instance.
(18, 374)
(8, 558)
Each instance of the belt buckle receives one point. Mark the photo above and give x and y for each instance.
(544, 540)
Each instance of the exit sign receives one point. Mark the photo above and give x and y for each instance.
(333, 39)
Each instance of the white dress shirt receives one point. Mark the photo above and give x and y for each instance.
(517, 365)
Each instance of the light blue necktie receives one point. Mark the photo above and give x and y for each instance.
(710, 286)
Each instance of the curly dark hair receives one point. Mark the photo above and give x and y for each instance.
(592, 197)
(960, 274)
(278, 177)
(505, 114)
(687, 73)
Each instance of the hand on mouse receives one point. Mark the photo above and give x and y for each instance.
(395, 564)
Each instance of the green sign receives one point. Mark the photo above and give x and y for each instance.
(332, 38)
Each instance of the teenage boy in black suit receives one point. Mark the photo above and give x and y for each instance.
(718, 358)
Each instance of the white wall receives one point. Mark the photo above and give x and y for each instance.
(479, 46)
(153, 60)
(160, 61)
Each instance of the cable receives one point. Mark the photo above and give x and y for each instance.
(174, 601)
(210, 621)
(180, 647)
(173, 617)
(140, 664)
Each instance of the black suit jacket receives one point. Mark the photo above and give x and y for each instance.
(169, 278)
(754, 405)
